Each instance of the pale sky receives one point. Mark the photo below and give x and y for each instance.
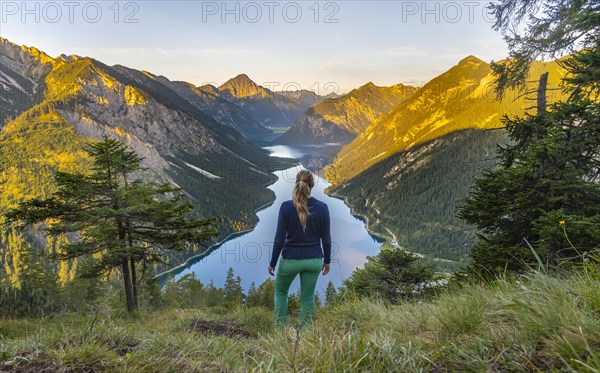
(316, 45)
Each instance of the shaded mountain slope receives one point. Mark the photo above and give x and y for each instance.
(210, 101)
(413, 195)
(22, 72)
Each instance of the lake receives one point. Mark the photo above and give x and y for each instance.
(249, 253)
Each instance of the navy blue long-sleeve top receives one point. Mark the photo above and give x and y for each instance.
(297, 243)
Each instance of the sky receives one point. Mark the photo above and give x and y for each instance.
(326, 46)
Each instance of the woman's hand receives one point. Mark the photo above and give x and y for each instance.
(325, 269)
(271, 271)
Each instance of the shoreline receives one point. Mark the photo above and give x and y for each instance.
(362, 217)
(216, 245)
(231, 235)
(381, 235)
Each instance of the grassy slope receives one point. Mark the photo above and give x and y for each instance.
(535, 323)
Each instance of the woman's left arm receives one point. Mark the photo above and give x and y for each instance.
(278, 241)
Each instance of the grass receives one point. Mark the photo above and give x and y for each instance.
(533, 323)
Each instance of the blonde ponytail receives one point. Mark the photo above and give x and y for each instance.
(304, 183)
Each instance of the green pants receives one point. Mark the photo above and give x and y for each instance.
(287, 271)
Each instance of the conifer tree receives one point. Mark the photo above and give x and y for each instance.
(393, 274)
(232, 291)
(330, 294)
(253, 296)
(120, 220)
(318, 303)
(536, 29)
(545, 193)
(214, 295)
(266, 291)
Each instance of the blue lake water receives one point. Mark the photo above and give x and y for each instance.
(249, 253)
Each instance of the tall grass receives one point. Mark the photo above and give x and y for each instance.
(532, 323)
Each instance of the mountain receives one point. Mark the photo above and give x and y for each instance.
(408, 172)
(209, 100)
(82, 99)
(413, 195)
(461, 98)
(269, 108)
(243, 87)
(341, 119)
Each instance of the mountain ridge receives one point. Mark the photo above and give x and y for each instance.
(341, 119)
(409, 170)
(460, 98)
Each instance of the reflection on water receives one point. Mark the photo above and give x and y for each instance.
(249, 253)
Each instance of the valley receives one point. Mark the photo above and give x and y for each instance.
(156, 213)
(401, 157)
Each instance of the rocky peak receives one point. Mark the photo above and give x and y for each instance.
(470, 60)
(242, 86)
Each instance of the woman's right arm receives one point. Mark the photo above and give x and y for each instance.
(279, 239)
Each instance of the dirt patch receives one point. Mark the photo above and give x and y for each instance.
(122, 348)
(228, 328)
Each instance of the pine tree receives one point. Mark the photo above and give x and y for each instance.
(393, 274)
(546, 177)
(232, 291)
(121, 221)
(152, 295)
(330, 294)
(318, 303)
(294, 303)
(545, 192)
(214, 295)
(38, 292)
(551, 28)
(253, 297)
(266, 292)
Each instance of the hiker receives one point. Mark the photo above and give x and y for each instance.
(302, 226)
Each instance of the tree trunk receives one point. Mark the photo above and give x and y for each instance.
(130, 291)
(541, 94)
(134, 284)
(128, 287)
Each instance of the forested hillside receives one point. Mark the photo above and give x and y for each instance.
(410, 170)
(414, 195)
(480, 191)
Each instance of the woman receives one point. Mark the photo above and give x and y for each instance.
(302, 226)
